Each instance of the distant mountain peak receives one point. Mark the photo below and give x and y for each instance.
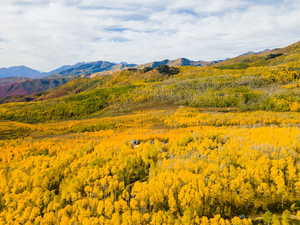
(19, 71)
(178, 62)
(256, 53)
(88, 68)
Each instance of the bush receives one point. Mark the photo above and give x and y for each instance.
(272, 56)
(168, 70)
(147, 69)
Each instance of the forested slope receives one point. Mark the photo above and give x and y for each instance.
(209, 145)
(271, 88)
(167, 166)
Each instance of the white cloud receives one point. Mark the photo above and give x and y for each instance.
(48, 33)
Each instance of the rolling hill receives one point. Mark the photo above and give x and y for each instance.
(281, 56)
(89, 68)
(175, 144)
(178, 62)
(270, 81)
(17, 89)
(258, 81)
(20, 84)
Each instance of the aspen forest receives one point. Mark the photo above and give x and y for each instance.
(211, 145)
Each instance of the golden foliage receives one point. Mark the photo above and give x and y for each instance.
(200, 174)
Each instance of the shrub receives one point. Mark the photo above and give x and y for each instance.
(168, 70)
(147, 69)
(272, 56)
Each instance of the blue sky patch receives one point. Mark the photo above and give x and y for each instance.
(44, 34)
(116, 29)
(119, 39)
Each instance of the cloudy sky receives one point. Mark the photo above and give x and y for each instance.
(44, 34)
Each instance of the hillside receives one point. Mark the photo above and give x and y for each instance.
(289, 56)
(176, 144)
(89, 68)
(272, 88)
(18, 81)
(178, 62)
(18, 88)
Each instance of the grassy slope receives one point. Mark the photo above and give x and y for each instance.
(246, 89)
(288, 55)
(265, 83)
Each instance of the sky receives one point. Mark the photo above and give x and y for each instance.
(45, 34)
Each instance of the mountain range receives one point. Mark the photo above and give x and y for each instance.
(256, 81)
(88, 68)
(19, 71)
(22, 80)
(78, 69)
(178, 62)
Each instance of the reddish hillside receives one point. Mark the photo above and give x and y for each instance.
(24, 86)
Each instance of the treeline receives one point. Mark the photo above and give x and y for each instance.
(74, 106)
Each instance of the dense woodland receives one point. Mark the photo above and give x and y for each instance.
(206, 145)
